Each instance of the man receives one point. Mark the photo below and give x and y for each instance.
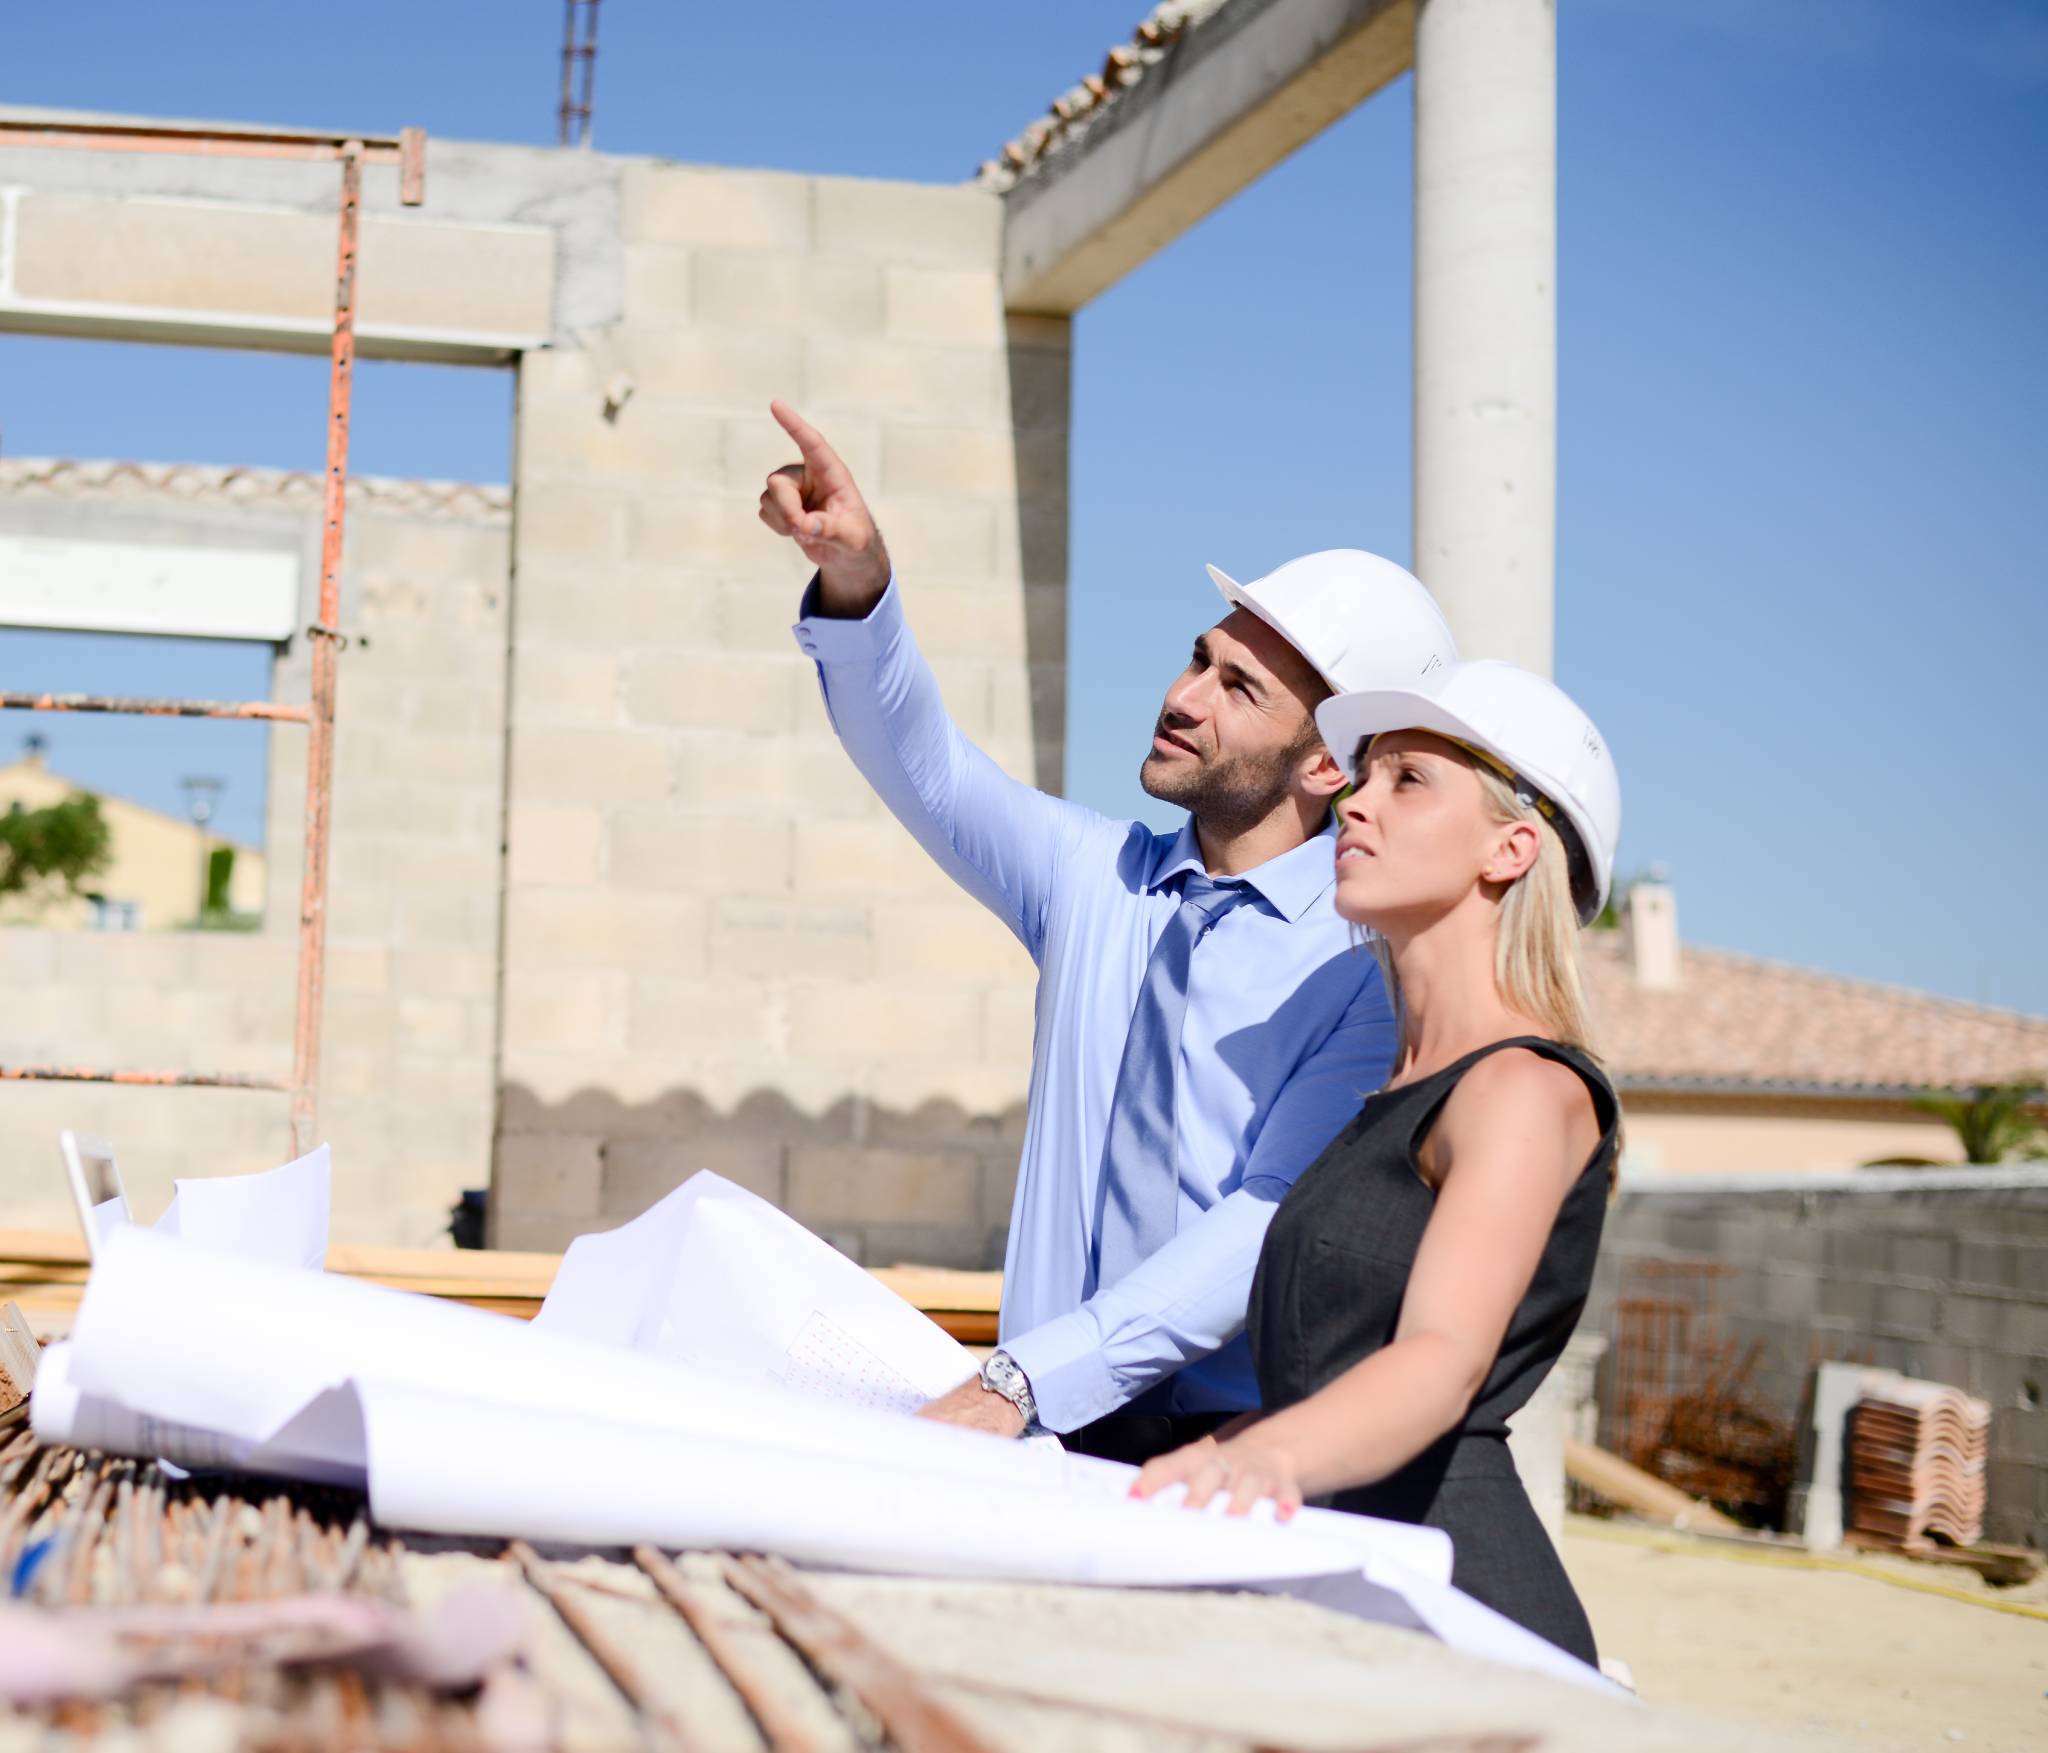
(1206, 1023)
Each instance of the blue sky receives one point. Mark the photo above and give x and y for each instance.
(1803, 394)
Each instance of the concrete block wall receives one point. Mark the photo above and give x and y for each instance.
(1941, 1274)
(719, 951)
(410, 1015)
(609, 905)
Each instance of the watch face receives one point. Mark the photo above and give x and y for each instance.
(1000, 1375)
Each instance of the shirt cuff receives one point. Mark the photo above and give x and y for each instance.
(1071, 1381)
(831, 639)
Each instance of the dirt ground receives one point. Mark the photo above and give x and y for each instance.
(1858, 1658)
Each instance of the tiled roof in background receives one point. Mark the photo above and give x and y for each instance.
(1078, 108)
(1751, 1026)
(62, 477)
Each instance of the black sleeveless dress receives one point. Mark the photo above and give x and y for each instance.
(1328, 1293)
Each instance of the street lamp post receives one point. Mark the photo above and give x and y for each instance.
(201, 791)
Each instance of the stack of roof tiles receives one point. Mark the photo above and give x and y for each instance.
(1916, 1462)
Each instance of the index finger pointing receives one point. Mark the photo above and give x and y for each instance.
(819, 457)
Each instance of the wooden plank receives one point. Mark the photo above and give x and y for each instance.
(43, 1247)
(530, 1273)
(1621, 1482)
(49, 1267)
(933, 1288)
(2001, 1566)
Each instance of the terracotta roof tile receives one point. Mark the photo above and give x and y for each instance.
(70, 478)
(1070, 115)
(1749, 1025)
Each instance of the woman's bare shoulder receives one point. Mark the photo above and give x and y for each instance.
(1514, 1092)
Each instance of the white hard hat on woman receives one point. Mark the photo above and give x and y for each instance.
(1527, 729)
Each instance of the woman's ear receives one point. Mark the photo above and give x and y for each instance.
(1514, 851)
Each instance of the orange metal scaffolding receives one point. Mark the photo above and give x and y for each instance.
(407, 151)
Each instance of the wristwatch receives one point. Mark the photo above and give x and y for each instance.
(1003, 1375)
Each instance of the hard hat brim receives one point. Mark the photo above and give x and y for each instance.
(1239, 596)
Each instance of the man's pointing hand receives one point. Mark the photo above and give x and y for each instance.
(816, 505)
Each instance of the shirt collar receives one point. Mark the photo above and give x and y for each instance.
(1289, 884)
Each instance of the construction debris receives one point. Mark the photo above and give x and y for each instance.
(19, 1353)
(1681, 1405)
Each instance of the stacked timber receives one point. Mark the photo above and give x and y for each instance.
(1916, 1463)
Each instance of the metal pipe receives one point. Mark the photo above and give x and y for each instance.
(270, 711)
(664, 1729)
(325, 635)
(782, 1727)
(211, 1080)
(913, 1716)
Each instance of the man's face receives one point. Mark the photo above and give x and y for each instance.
(1235, 726)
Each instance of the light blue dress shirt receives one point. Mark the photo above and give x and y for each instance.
(1287, 1031)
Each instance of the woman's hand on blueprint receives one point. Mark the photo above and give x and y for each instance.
(1244, 1471)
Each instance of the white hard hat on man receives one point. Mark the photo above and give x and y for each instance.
(1360, 620)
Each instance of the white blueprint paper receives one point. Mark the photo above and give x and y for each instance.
(717, 1277)
(463, 1422)
(163, 1332)
(280, 1214)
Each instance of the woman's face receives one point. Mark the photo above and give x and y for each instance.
(1417, 836)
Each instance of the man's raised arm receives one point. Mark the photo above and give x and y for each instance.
(1000, 839)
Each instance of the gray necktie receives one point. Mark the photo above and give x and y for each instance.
(1140, 1171)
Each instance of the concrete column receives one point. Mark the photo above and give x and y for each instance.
(1486, 320)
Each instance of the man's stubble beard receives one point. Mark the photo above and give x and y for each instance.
(1227, 796)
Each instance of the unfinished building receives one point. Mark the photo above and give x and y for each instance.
(609, 904)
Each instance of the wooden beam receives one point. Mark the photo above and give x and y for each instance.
(1627, 1485)
(47, 1269)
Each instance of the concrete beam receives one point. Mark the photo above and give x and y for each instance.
(247, 276)
(1231, 98)
(516, 248)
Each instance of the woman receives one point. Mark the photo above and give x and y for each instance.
(1422, 1276)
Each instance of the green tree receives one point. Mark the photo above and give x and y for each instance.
(220, 874)
(1995, 1121)
(63, 845)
